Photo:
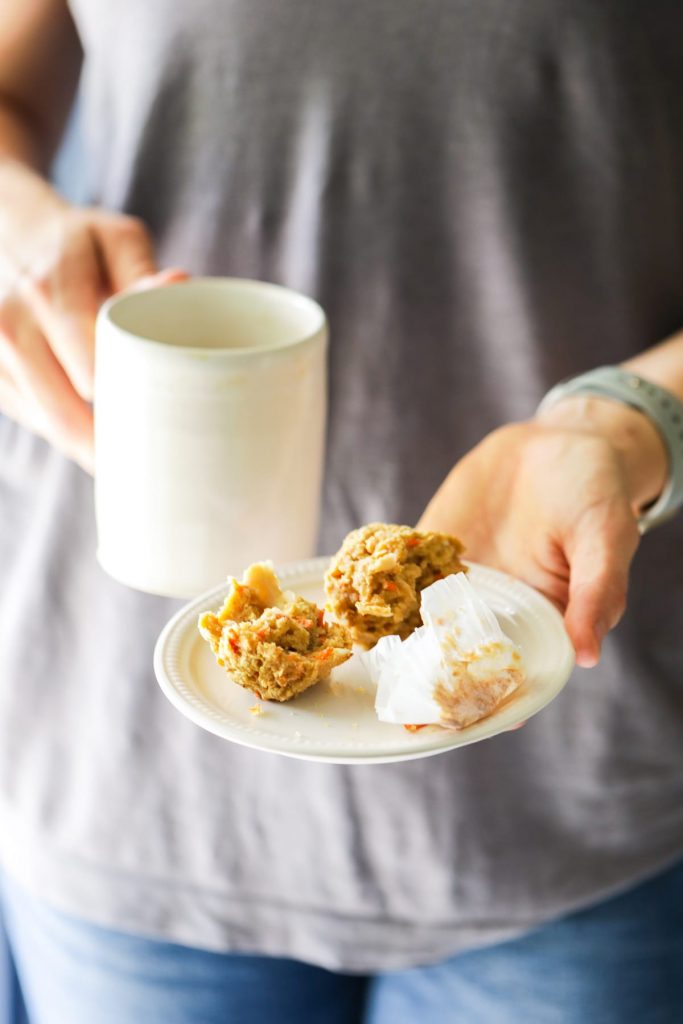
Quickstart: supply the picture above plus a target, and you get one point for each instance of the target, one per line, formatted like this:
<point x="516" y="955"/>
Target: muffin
<point x="273" y="642"/>
<point x="374" y="581"/>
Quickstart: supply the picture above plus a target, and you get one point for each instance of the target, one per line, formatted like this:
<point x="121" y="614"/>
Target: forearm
<point x="40" y="62"/>
<point x="662" y="364"/>
<point x="20" y="142"/>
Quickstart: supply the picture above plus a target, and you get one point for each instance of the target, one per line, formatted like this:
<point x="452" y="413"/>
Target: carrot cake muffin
<point x="374" y="581"/>
<point x="273" y="642"/>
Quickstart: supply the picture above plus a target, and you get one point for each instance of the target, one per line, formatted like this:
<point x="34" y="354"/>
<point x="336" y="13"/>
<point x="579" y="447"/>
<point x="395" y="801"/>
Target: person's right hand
<point x="58" y="263"/>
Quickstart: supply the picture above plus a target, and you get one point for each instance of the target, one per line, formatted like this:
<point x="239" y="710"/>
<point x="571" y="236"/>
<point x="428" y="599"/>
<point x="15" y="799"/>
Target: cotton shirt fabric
<point x="485" y="198"/>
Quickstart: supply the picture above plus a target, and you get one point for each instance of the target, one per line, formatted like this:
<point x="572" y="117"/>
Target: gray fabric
<point x="486" y="197"/>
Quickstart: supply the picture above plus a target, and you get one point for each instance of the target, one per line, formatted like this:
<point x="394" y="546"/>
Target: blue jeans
<point x="12" y="1010"/>
<point x="620" y="962"/>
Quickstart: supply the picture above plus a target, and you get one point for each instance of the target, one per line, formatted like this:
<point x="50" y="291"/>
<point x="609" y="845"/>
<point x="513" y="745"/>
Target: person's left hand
<point x="555" y="505"/>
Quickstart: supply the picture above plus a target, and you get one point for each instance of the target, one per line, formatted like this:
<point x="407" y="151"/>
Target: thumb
<point x="171" y="275"/>
<point x="126" y="250"/>
<point x="599" y="552"/>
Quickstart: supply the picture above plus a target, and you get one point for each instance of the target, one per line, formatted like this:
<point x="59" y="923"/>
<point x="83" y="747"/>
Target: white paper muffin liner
<point x="452" y="671"/>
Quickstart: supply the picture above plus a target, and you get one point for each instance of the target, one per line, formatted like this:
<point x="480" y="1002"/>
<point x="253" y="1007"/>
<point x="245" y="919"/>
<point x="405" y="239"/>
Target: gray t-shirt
<point x="485" y="197"/>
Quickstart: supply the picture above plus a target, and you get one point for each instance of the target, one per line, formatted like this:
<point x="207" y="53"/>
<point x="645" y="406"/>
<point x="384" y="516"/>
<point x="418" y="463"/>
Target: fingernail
<point x="584" y="660"/>
<point x="590" y="656"/>
<point x="171" y="275"/>
<point x="160" y="278"/>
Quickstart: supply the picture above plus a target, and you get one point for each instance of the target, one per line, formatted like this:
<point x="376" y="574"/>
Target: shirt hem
<point x="208" y="919"/>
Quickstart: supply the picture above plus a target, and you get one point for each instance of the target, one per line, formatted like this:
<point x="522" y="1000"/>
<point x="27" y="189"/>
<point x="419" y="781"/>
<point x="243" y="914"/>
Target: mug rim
<point x="104" y="316"/>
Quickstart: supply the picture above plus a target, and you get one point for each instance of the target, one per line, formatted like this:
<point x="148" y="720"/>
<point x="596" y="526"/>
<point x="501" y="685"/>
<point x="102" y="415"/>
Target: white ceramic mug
<point x="210" y="403"/>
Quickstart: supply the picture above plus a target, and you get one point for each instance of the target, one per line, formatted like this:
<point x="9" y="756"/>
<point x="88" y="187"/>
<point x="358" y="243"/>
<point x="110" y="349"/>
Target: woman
<point x="485" y="199"/>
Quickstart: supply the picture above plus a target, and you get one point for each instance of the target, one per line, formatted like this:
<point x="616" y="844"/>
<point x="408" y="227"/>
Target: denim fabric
<point x="12" y="1010"/>
<point x="620" y="962"/>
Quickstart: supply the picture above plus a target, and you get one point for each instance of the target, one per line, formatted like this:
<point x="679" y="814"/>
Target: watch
<point x="663" y="409"/>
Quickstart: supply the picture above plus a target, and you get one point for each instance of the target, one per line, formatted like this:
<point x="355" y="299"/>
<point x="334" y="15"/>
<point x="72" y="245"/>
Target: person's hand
<point x="554" y="502"/>
<point x="57" y="265"/>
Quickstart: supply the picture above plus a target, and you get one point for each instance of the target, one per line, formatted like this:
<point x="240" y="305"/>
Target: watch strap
<point x="662" y="407"/>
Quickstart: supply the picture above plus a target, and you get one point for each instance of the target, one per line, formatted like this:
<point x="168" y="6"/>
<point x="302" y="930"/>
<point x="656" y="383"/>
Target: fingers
<point x="600" y="552"/>
<point x="126" y="250"/>
<point x="173" y="275"/>
<point x="48" y="313"/>
<point x="127" y="255"/>
<point x="65" y="303"/>
<point x="36" y="390"/>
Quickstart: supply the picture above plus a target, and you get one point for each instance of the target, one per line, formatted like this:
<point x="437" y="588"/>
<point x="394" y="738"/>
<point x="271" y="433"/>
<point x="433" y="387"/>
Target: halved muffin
<point x="273" y="642"/>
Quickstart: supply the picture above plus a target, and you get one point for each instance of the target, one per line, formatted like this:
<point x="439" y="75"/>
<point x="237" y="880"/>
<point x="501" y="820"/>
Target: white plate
<point x="335" y="720"/>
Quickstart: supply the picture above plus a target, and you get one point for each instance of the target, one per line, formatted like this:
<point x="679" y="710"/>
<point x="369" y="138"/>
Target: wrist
<point x="31" y="213"/>
<point x="23" y="189"/>
<point x="635" y="439"/>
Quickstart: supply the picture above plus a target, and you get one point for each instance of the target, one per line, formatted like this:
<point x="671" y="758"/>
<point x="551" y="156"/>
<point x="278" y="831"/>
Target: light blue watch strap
<point x="658" y="404"/>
